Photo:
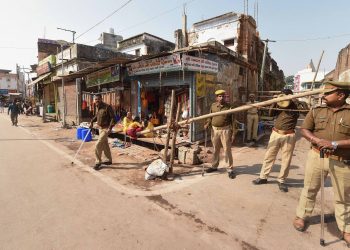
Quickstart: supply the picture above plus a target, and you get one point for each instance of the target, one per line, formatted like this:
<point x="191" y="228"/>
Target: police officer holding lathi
<point x="222" y="133"/>
<point x="327" y="127"/>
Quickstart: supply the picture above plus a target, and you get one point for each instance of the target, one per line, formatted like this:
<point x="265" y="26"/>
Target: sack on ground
<point x="156" y="169"/>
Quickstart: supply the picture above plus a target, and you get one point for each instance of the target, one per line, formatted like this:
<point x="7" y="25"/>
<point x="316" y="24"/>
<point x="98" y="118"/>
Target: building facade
<point x="11" y="82"/>
<point x="144" y="44"/>
<point x="303" y="78"/>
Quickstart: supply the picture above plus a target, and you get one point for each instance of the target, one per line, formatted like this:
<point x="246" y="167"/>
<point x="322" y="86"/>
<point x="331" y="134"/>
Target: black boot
<point x="283" y="187"/>
<point x="259" y="181"/>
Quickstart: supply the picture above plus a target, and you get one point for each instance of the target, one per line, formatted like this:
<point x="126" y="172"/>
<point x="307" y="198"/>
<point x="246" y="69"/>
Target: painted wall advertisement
<point x="107" y="75"/>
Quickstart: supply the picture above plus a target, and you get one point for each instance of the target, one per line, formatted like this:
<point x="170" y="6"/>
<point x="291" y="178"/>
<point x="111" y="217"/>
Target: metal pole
<point x="322" y="242"/>
<point x="63" y="94"/>
<point x="263" y="64"/>
<point x="24" y="83"/>
<point x="263" y="68"/>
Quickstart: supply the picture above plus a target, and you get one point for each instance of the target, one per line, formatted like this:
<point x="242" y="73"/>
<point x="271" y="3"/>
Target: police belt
<point x="222" y="128"/>
<point x="333" y="157"/>
<point x="283" y="132"/>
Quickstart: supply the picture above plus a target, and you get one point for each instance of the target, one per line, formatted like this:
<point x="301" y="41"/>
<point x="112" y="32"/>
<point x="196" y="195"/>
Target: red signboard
<point x="42" y="69"/>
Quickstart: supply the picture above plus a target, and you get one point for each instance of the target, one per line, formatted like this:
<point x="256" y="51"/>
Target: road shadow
<point x="330" y="226"/>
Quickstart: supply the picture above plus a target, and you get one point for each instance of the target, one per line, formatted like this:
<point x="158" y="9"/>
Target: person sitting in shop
<point x="155" y="119"/>
<point x="127" y="121"/>
<point x="134" y="127"/>
<point x="148" y="125"/>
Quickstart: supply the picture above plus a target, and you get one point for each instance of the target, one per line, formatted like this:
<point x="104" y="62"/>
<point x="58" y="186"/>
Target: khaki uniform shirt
<point x="104" y="116"/>
<point x="221" y="120"/>
<point x="329" y="125"/>
<point x="252" y="111"/>
<point x="286" y="120"/>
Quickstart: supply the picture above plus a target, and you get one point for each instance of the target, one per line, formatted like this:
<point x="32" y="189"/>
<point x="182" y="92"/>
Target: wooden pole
<point x="170" y="118"/>
<point x="241" y="108"/>
<point x="313" y="81"/>
<point x="173" y="139"/>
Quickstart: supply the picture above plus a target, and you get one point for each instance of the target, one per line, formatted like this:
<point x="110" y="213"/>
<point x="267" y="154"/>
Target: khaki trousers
<point x="252" y="126"/>
<point x="221" y="137"/>
<point x="340" y="176"/>
<point x="102" y="145"/>
<point x="277" y="141"/>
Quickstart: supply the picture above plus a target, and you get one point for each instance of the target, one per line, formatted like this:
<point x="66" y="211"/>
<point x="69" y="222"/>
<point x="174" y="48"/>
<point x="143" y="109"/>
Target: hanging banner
<point x="156" y="65"/>
<point x="107" y="75"/>
<point x="192" y="63"/>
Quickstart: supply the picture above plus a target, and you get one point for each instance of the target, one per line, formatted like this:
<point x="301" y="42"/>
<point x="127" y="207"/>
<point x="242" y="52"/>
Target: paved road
<point x="48" y="204"/>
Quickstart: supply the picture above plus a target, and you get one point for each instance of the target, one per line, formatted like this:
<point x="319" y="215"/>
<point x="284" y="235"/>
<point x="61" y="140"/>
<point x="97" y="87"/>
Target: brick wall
<point x="342" y="69"/>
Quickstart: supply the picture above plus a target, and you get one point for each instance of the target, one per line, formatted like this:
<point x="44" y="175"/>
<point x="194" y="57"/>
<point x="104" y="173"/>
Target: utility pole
<point x="261" y="85"/>
<point x="24" y="81"/>
<point x="63" y="92"/>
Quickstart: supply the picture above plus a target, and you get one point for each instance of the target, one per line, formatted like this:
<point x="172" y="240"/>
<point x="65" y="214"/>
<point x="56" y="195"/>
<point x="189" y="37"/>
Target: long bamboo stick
<point x="241" y="108"/>
<point x="173" y="139"/>
<point x="170" y="120"/>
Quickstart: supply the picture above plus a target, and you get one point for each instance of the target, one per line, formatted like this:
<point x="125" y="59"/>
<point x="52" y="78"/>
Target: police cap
<point x="220" y="92"/>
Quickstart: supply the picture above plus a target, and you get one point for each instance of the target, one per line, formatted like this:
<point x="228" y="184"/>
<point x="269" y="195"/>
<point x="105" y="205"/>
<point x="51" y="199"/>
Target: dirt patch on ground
<point x="128" y="163"/>
<point x="165" y="204"/>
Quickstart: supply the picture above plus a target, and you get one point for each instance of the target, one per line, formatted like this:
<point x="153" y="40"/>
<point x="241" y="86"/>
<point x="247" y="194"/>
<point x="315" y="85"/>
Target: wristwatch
<point x="334" y="145"/>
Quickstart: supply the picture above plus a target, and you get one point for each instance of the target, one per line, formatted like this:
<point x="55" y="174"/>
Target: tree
<point x="289" y="80"/>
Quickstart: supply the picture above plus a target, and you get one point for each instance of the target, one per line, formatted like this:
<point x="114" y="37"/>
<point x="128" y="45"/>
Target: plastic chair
<point x="241" y="129"/>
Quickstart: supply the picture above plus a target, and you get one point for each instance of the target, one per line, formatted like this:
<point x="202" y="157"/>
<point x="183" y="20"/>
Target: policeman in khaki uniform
<point x="327" y="127"/>
<point x="252" y="120"/>
<point x="282" y="138"/>
<point x="104" y="116"/>
<point x="222" y="133"/>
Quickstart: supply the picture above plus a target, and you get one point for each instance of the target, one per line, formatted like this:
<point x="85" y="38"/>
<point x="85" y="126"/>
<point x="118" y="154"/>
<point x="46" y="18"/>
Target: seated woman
<point x="155" y="119"/>
<point x="148" y="125"/>
<point x="134" y="127"/>
<point x="127" y="121"/>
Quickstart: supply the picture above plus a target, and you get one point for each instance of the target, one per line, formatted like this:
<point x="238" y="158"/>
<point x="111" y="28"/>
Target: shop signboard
<point x="4" y="91"/>
<point x="43" y="69"/>
<point x="192" y="63"/>
<point x="51" y="59"/>
<point x="107" y="75"/>
<point x="156" y="65"/>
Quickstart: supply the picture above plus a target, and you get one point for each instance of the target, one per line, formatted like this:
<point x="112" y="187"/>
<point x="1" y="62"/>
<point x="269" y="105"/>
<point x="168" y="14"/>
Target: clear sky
<point x="22" y="22"/>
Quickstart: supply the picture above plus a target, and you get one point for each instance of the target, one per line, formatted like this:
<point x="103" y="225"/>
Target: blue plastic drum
<point x="86" y="133"/>
<point x="79" y="132"/>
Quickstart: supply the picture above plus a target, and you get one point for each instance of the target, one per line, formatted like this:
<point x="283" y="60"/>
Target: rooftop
<point x="6" y="71"/>
<point x="142" y="34"/>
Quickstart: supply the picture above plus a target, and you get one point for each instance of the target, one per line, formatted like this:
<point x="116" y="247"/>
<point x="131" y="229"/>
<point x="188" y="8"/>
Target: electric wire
<point x="104" y="19"/>
<point x="314" y="39"/>
<point x="154" y="17"/>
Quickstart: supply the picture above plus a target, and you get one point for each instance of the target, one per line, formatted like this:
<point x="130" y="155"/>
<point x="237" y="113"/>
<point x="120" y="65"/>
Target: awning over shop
<point x="40" y="78"/>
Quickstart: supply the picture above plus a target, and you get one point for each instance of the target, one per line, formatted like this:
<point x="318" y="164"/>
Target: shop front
<point x="192" y="78"/>
<point x="109" y="82"/>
